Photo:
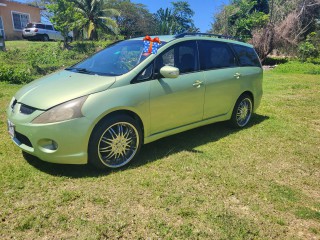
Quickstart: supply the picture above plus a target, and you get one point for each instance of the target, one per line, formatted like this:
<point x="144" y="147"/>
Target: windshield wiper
<point x="80" y="70"/>
<point x="86" y="71"/>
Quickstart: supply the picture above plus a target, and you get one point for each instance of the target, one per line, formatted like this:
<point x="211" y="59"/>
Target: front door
<point x="176" y="102"/>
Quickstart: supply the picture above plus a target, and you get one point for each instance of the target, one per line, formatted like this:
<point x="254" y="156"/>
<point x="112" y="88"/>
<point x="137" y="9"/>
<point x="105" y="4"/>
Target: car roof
<point x="198" y="36"/>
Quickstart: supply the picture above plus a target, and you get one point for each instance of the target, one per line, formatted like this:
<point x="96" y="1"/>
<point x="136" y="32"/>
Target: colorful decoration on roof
<point x="151" y="45"/>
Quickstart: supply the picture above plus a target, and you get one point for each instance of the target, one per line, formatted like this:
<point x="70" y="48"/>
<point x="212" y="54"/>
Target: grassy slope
<point x="212" y="182"/>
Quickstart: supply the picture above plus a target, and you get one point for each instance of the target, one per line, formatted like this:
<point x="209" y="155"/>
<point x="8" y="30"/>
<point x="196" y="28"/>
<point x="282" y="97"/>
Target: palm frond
<point x="109" y="24"/>
<point x="111" y="12"/>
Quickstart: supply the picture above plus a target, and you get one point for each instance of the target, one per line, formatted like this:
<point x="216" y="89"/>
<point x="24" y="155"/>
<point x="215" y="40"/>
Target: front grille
<point x="25" y="109"/>
<point x="23" y="139"/>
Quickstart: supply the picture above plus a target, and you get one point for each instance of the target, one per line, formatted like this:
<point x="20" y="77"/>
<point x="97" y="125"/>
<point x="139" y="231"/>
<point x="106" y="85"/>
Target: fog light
<point x="48" y="145"/>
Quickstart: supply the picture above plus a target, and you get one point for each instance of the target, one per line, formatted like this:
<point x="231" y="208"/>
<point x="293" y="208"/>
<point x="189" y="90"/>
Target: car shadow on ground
<point x="186" y="141"/>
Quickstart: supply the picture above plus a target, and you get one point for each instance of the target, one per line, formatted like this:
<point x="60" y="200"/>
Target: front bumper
<point x="62" y="142"/>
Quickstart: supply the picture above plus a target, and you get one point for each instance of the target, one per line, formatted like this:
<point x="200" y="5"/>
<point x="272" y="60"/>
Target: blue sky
<point x="204" y="9"/>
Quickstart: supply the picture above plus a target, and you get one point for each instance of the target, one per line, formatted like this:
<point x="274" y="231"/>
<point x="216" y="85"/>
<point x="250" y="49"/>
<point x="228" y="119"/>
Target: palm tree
<point x="165" y="20"/>
<point x="97" y="15"/>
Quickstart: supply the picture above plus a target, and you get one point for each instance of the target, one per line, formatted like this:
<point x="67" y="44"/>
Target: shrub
<point x="298" y="67"/>
<point x="310" y="48"/>
<point x="275" y="60"/>
<point x="15" y="74"/>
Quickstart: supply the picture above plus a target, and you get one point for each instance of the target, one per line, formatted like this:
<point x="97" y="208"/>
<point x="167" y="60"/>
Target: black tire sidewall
<point x="99" y="129"/>
<point x="45" y="38"/>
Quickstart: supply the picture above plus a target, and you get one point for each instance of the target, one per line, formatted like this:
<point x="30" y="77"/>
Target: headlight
<point x="65" y="111"/>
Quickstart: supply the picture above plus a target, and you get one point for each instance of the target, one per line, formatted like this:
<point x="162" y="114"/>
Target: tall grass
<point x="22" y="64"/>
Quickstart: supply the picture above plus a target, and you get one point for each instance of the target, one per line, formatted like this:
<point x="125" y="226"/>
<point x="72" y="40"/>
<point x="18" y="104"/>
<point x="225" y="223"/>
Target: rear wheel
<point x="114" y="142"/>
<point x="45" y="38"/>
<point x="242" y="111"/>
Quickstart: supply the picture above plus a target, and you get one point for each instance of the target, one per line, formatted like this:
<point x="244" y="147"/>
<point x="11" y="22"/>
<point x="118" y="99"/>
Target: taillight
<point x="36" y="30"/>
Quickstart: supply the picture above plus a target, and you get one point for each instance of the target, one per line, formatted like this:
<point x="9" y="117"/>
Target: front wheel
<point x="242" y="111"/>
<point x="114" y="142"/>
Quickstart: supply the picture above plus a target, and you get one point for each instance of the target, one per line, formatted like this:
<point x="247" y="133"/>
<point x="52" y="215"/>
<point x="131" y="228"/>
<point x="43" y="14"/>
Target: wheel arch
<point x="127" y="112"/>
<point x="250" y="94"/>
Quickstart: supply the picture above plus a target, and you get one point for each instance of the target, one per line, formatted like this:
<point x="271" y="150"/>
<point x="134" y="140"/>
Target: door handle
<point x="197" y="83"/>
<point x="237" y="75"/>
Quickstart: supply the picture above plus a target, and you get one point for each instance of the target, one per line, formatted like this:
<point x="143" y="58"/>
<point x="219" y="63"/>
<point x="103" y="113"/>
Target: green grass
<point x="213" y="182"/>
<point x="25" y="61"/>
<point x="23" y="44"/>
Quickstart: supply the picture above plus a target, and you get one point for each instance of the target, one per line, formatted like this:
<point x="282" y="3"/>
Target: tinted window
<point x="247" y="56"/>
<point x="49" y="27"/>
<point x="146" y="73"/>
<point x="214" y="55"/>
<point x="182" y="55"/>
<point x="30" y="25"/>
<point x="40" y="26"/>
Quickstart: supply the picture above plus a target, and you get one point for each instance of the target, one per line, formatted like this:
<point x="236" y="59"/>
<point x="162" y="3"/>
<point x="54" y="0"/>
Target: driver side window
<point x="165" y="59"/>
<point x="182" y="55"/>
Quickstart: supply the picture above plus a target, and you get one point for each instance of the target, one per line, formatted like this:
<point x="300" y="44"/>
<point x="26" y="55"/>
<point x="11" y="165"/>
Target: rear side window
<point x="49" y="27"/>
<point x="215" y="55"/>
<point x="40" y="26"/>
<point x="247" y="56"/>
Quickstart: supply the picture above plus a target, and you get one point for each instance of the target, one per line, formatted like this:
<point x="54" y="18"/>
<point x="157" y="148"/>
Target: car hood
<point x="60" y="87"/>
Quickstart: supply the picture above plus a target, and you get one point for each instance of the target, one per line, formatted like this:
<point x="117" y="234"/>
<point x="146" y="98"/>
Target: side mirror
<point x="170" y="72"/>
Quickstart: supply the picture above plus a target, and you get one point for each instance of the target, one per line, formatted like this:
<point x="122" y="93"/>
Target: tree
<point x="134" y="19"/>
<point x="283" y="24"/>
<point x="182" y="17"/>
<point x="97" y="15"/>
<point x="240" y="18"/>
<point x="64" y="17"/>
<point x="177" y="19"/>
<point x="165" y="21"/>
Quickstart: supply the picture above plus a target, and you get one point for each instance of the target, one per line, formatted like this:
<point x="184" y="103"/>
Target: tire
<point x="242" y="111"/>
<point x="45" y="38"/>
<point x="114" y="142"/>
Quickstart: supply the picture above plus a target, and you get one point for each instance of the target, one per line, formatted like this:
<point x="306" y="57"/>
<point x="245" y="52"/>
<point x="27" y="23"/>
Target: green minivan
<point x="101" y="110"/>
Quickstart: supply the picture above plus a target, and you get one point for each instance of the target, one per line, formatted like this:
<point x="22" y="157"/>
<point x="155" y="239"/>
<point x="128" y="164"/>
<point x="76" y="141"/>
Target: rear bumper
<point x="31" y="36"/>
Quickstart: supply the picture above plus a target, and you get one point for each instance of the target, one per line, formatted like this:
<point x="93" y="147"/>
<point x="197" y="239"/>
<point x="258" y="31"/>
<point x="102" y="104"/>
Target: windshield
<point x="115" y="60"/>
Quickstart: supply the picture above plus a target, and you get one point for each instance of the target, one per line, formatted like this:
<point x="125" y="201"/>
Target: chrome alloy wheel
<point x="118" y="144"/>
<point x="244" y="111"/>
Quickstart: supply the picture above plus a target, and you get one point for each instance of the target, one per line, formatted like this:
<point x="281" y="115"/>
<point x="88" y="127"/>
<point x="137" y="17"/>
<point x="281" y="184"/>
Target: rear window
<point x="247" y="56"/>
<point x="30" y="25"/>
